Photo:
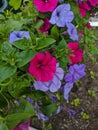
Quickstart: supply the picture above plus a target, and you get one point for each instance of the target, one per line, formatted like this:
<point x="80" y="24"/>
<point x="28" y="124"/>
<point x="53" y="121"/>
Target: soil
<point x="88" y="104"/>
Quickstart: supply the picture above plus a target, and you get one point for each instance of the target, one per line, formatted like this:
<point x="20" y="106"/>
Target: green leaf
<point x="17" y="87"/>
<point x="26" y="111"/>
<point x="6" y="71"/>
<point x="3" y="126"/>
<point x="55" y="32"/>
<point x="39" y="24"/>
<point x="37" y="95"/>
<point x="15" y="4"/>
<point x="62" y="44"/>
<point x="7" y="48"/>
<point x="22" y="44"/>
<point x="24" y="57"/>
<point x="49" y="109"/>
<point x="44" y="42"/>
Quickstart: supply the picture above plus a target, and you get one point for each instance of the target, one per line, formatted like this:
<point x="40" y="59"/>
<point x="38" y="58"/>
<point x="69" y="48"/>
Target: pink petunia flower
<point x="16" y="128"/>
<point x="45" y="5"/>
<point x="87" y="26"/>
<point x="45" y="26"/>
<point x="23" y="126"/>
<point x="76" y="54"/>
<point x="43" y="66"/>
<point x="83" y="8"/>
<point x="93" y="2"/>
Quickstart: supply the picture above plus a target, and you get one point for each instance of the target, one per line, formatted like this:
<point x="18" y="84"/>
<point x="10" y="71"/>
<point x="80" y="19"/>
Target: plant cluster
<point x="43" y="45"/>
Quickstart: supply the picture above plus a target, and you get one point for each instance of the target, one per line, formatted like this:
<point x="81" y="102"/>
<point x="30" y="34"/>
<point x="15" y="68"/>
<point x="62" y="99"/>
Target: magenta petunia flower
<point x="76" y="53"/>
<point x="45" y="5"/>
<point x="45" y="26"/>
<point x="93" y="2"/>
<point x="83" y="8"/>
<point x="16" y="128"/>
<point x="43" y="66"/>
<point x="23" y="126"/>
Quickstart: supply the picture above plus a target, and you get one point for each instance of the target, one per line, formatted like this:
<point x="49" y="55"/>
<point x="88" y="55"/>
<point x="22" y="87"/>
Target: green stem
<point x="5" y="99"/>
<point x="6" y="84"/>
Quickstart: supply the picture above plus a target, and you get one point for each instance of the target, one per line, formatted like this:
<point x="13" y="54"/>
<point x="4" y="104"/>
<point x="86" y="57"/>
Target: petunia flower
<point x="72" y="112"/>
<point x="93" y="2"/>
<point x="18" y="35"/>
<point x="72" y="32"/>
<point x="45" y="26"/>
<point x="16" y="128"/>
<point x="30" y="100"/>
<point x="62" y="15"/>
<point x="61" y="1"/>
<point x="75" y="73"/>
<point x="52" y="85"/>
<point x="43" y="67"/>
<point x="45" y="5"/>
<point x="23" y="126"/>
<point x="83" y="8"/>
<point x="66" y="89"/>
<point x="42" y="116"/>
<point x="79" y="1"/>
<point x="76" y="54"/>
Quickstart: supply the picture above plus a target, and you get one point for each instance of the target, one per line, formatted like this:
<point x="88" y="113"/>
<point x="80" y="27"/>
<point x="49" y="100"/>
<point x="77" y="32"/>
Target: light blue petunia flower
<point x="52" y="85"/>
<point x="62" y="15"/>
<point x="18" y="35"/>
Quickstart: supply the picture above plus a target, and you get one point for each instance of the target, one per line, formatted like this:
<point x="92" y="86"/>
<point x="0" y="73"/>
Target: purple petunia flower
<point x="72" y="32"/>
<point x="72" y="112"/>
<point x="42" y="116"/>
<point x="61" y="1"/>
<point x="59" y="109"/>
<point x="75" y="73"/>
<point x="52" y="85"/>
<point x="67" y="88"/>
<point x="79" y="1"/>
<point x="18" y="35"/>
<point x="30" y="100"/>
<point x="62" y="15"/>
<point x="52" y="96"/>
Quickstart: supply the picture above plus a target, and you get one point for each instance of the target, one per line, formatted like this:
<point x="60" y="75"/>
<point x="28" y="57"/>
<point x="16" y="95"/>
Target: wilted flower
<point x="52" y="85"/>
<point x="43" y="66"/>
<point x="75" y="73"/>
<point x="45" y="5"/>
<point x="62" y="15"/>
<point x="18" y="35"/>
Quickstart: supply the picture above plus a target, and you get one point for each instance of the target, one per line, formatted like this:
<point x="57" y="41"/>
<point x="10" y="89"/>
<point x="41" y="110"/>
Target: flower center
<point x="45" y="1"/>
<point x="39" y="65"/>
<point x="18" y="35"/>
<point x="58" y="14"/>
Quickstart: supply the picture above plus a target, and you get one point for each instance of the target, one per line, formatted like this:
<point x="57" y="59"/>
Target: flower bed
<point x="43" y="45"/>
